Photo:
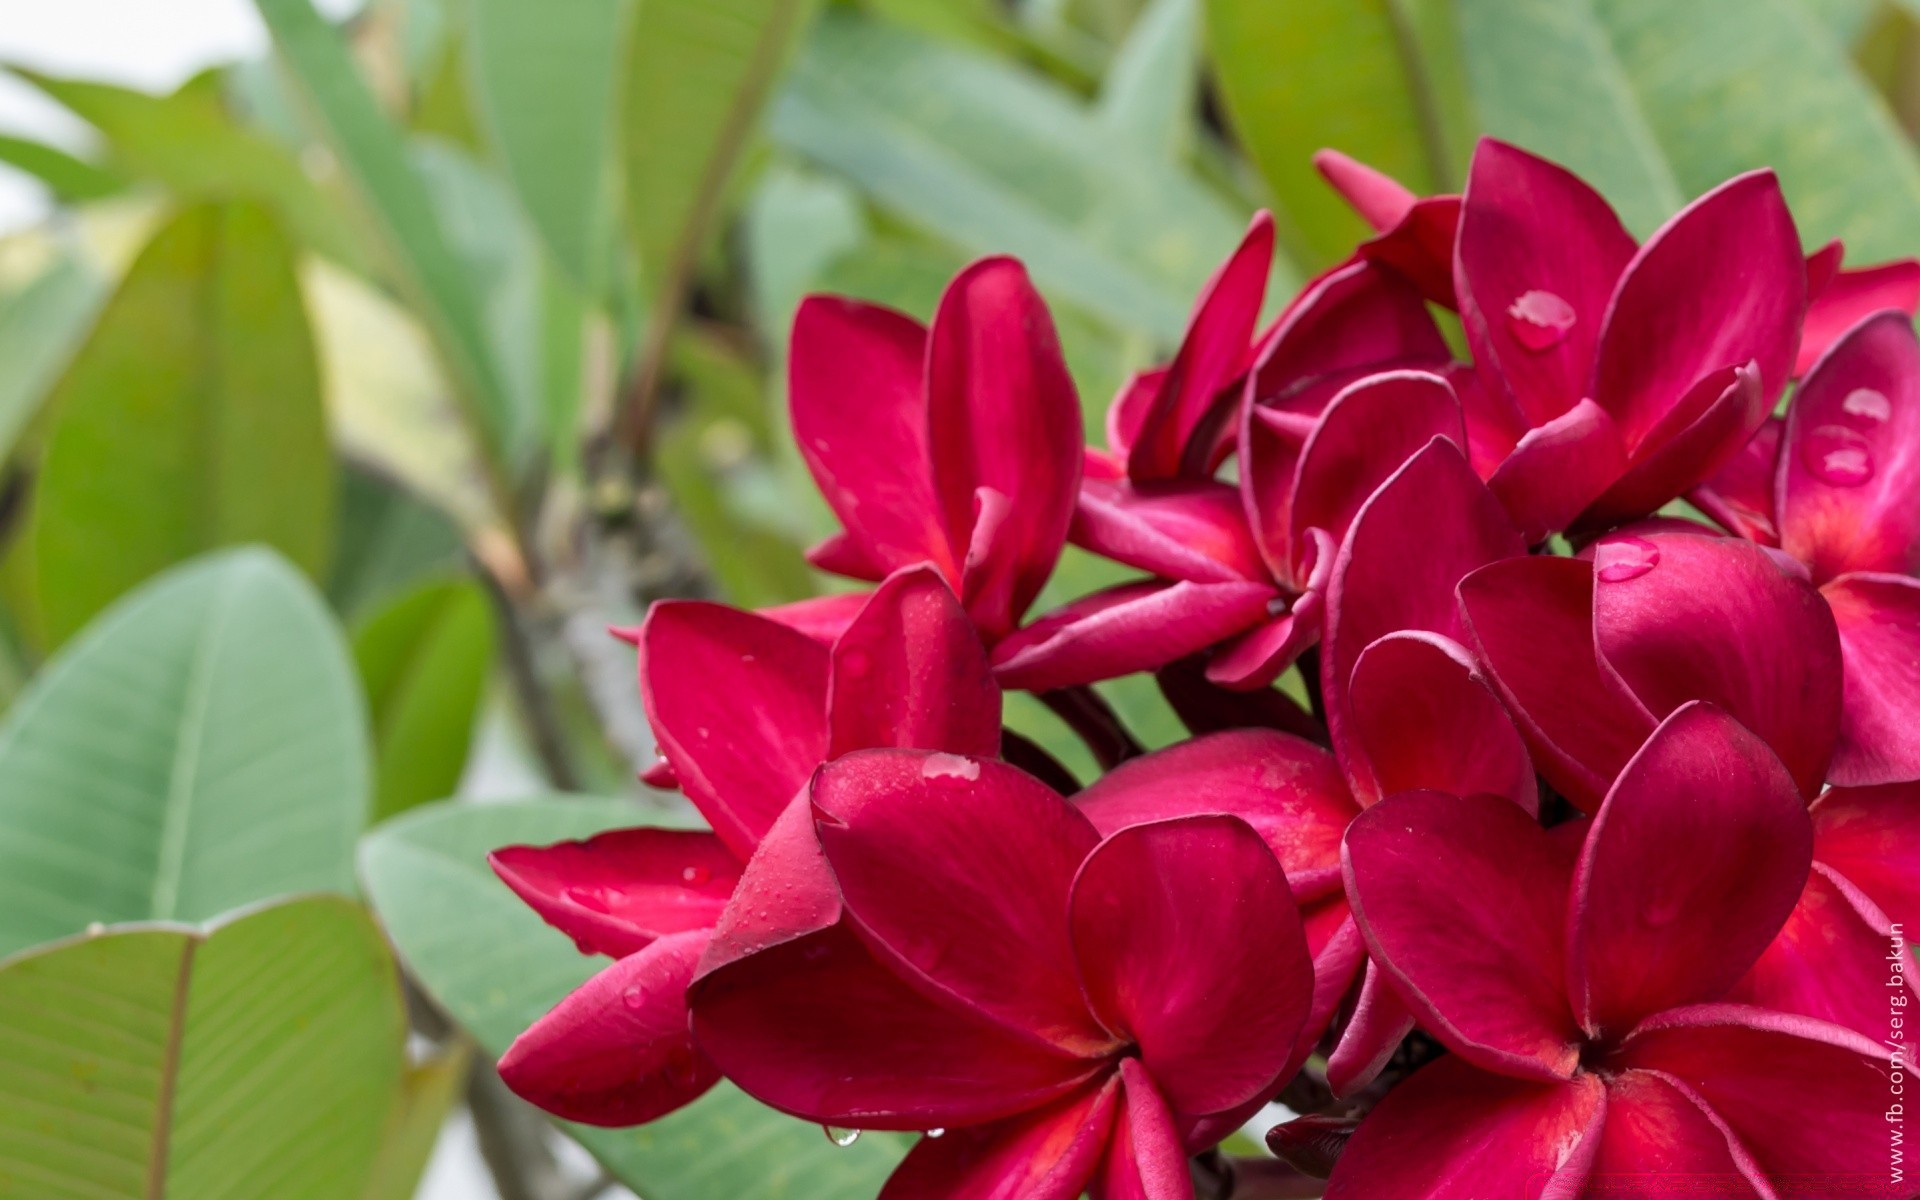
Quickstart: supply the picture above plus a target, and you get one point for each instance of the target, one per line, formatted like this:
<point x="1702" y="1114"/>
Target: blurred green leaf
<point x="1848" y="19"/>
<point x="424" y="661"/>
<point x="201" y="746"/>
<point x="71" y="180"/>
<point x="256" y="1059"/>
<point x="494" y="967"/>
<point x="190" y="419"/>
<point x="544" y="78"/>
<point x="188" y="143"/>
<point x="41" y="326"/>
<point x="698" y="74"/>
<point x="1150" y="91"/>
<point x="997" y="160"/>
<point x="1352" y="76"/>
<point x="428" y="1092"/>
<point x="1655" y="101"/>
<point x="387" y="542"/>
<point x="796" y="224"/>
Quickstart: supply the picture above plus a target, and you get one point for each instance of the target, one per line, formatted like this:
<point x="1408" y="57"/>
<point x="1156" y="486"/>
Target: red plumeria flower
<point x="1837" y="300"/>
<point x="956" y="446"/>
<point x="744" y="710"/>
<point x="1837" y="487"/>
<point x="1579" y="988"/>
<point x="944" y="943"/>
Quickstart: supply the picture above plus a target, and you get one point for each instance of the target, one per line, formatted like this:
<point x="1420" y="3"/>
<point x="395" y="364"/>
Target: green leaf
<point x="427" y="1093"/>
<point x="424" y="661"/>
<point x="1635" y="94"/>
<point x="698" y="74"/>
<point x="41" y="326"/>
<point x="191" y="419"/>
<point x="544" y="78"/>
<point x="1150" y="90"/>
<point x="491" y="964"/>
<point x="188" y="143"/>
<point x="387" y="542"/>
<point x="200" y="747"/>
<point x="71" y="180"/>
<point x="1352" y="76"/>
<point x="997" y="160"/>
<point x="256" y="1059"/>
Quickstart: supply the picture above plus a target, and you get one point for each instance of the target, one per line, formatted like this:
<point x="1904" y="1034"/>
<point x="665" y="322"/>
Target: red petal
<point x="1003" y="419"/>
<point x="1380" y="1022"/>
<point x="1557" y="469"/>
<point x="1185" y="529"/>
<point x="1425" y="718"/>
<point x="617" y="1050"/>
<point x="1656" y="1128"/>
<point x="1454" y="1131"/>
<point x="822" y="618"/>
<point x="1420" y="248"/>
<point x="1878" y="617"/>
<point x="1048" y="1154"/>
<point x="1129" y="410"/>
<point x="1256" y="658"/>
<point x="1145" y="1159"/>
<point x="959" y="870"/>
<point x="854" y="377"/>
<point x="1693" y="440"/>
<point x="1213" y="353"/>
<point x="1381" y="200"/>
<point x="844" y="554"/>
<point x="911" y="672"/>
<point x="1355" y="316"/>
<point x="617" y="891"/>
<point x="1849" y="500"/>
<point x="1740" y="497"/>
<point x="1691" y="867"/>
<point x="1829" y="960"/>
<point x="1133" y="627"/>
<point x="1849" y="296"/>
<point x="1682" y="617"/>
<point x="738" y="703"/>
<point x="1721" y="284"/>
<point x="1476" y="949"/>
<point x="1540" y="253"/>
<point x="1190" y="948"/>
<point x="1871" y="836"/>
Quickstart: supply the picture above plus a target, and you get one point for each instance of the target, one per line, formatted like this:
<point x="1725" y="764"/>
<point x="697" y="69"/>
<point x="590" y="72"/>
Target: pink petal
<point x="1205" y="708"/>
<point x="958" y="870"/>
<point x="1420" y="248"/>
<point x="1452" y="1130"/>
<point x="1740" y="496"/>
<point x="1682" y="617"/>
<point x="1540" y="253"/>
<point x="821" y="618"/>
<point x="1003" y="418"/>
<point x="1475" y="947"/>
<point x="1849" y="296"/>
<point x="617" y="891"/>
<point x="1848" y="498"/>
<point x="1270" y="442"/>
<point x="1692" y="865"/>
<point x="1132" y="627"/>
<point x="910" y="671"/>
<point x="1381" y="1021"/>
<point x="1829" y="960"/>
<point x="1871" y="836"/>
<point x="1129" y="411"/>
<point x="1693" y="440"/>
<point x="1425" y="717"/>
<point x="1339" y="955"/>
<point x="1256" y="658"/>
<point x="617" y="1050"/>
<point x="1186" y="529"/>
<point x="1494" y="423"/>
<point x="1428" y="526"/>
<point x="1557" y="469"/>
<point x="844" y="554"/>
<point x="1805" y="1099"/>
<point x="1289" y="790"/>
<point x="1531" y="620"/>
<point x="738" y="703"/>
<point x="1190" y="948"/>
<point x="1878" y="617"/>
<point x="1049" y="1153"/>
<point x="1145" y="1159"/>
<point x="1355" y="316"/>
<point x="1367" y="433"/>
<point x="1721" y="284"/>
<point x="1381" y="200"/>
<point x="1219" y="335"/>
<point x="1655" y="1128"/>
<point x="854" y="378"/>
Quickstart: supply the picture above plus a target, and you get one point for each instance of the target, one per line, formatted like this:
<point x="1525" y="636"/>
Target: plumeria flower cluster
<point x="1584" y="869"/>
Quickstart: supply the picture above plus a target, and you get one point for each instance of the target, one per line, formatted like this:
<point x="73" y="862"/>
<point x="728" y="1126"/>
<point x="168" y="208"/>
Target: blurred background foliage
<point x="351" y="393"/>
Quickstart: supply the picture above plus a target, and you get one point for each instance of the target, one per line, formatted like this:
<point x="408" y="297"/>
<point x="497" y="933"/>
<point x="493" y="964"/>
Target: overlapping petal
<point x="1132" y="627"/>
<point x="1878" y="620"/>
<point x="615" y="892"/>
<point x="910" y="671"/>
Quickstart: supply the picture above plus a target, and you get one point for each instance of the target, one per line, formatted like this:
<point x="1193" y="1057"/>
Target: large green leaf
<point x="998" y="160"/>
<point x="544" y="77"/>
<point x="1356" y="76"/>
<point x="41" y="326"/>
<point x="388" y="541"/>
<point x="495" y="968"/>
<point x="427" y="1093"/>
<point x="200" y="747"/>
<point x="1655" y="101"/>
<point x="260" y="1058"/>
<point x="1150" y="91"/>
<point x="72" y="180"/>
<point x="191" y="419"/>
<point x="424" y="659"/>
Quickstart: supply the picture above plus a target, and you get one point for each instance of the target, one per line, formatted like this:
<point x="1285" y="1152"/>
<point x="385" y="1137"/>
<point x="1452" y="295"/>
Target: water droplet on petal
<point x="1869" y="406"/>
<point x="1837" y="456"/>
<point x="1661" y="912"/>
<point x="840" y="1137"/>
<point x="696" y="875"/>
<point x="1540" y="320"/>
<point x="703" y="731"/>
<point x="635" y="998"/>
<point x="936" y="1133"/>
<point x="949" y="766"/>
<point x="1625" y="558"/>
<point x="747" y="659"/>
<point x="591" y="898"/>
<point x="854" y="663"/>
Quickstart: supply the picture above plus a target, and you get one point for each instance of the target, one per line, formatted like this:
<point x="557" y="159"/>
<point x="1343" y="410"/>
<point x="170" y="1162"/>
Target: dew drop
<point x="1540" y="320"/>
<point x="936" y="1133"/>
<point x="1661" y="912"/>
<point x="95" y="928"/>
<point x="1837" y="456"/>
<point x="746" y="659"/>
<point x="591" y="898"/>
<point x="1625" y="558"/>
<point x="854" y="663"/>
<point x="635" y="998"/>
<point x="1869" y="406"/>
<point x="703" y="731"/>
<point x="696" y="875"/>
<point x="840" y="1137"/>
<point x="949" y="766"/>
